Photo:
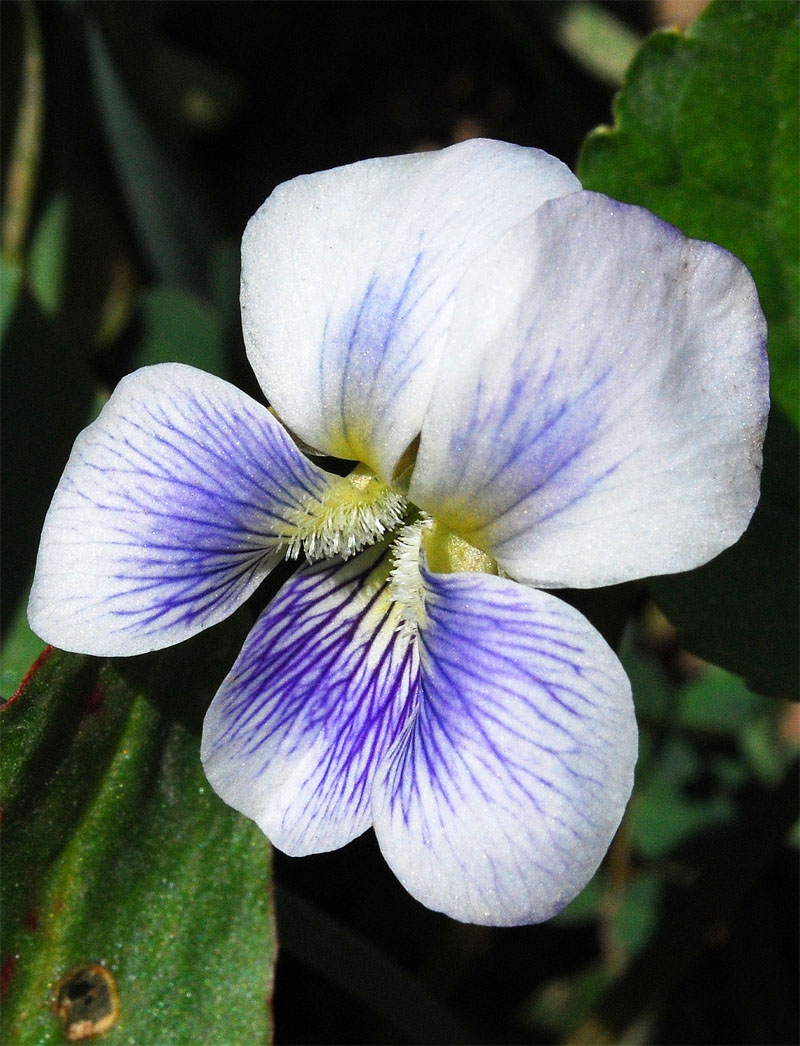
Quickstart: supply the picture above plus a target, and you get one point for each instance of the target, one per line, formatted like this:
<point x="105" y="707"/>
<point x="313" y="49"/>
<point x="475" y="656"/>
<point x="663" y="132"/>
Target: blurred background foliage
<point x="138" y="139"/>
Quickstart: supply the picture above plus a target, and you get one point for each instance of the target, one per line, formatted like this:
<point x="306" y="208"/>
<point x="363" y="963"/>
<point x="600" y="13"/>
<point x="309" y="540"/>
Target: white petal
<point x="501" y="798"/>
<point x="171" y="509"/>
<point x="347" y="283"/>
<point x="606" y="417"/>
<point x="323" y="685"/>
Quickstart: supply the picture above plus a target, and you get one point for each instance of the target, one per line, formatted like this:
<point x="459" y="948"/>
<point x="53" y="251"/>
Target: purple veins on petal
<point x="501" y="797"/>
<point x="321" y="690"/>
<point x="174" y="505"/>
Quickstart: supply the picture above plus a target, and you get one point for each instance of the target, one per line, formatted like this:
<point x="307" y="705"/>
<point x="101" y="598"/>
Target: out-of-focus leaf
<point x="766" y="752"/>
<point x="10" y="281"/>
<point x="19" y="650"/>
<point x="718" y="701"/>
<point x="179" y="327"/>
<point x="563" y="1002"/>
<point x="193" y="91"/>
<point x="637" y="916"/>
<point x="118" y="853"/>
<point x="596" y="39"/>
<point x="706" y="136"/>
<point x="48" y="255"/>
<point x="683" y="933"/>
<point x="225" y="272"/>
<point x="47" y="396"/>
<point x="362" y="970"/>
<point x="166" y="214"/>
<point x="664" y="814"/>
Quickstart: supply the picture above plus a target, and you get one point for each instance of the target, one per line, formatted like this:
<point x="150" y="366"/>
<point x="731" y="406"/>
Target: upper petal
<point x="607" y="414"/>
<point x="347" y="284"/>
<point x="501" y="798"/>
<point x="323" y="685"/>
<point x="173" y="506"/>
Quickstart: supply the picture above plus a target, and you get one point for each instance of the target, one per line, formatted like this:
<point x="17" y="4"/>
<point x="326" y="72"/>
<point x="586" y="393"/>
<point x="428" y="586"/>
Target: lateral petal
<point x="172" y="508"/>
<point x="606" y="418"/>
<point x="347" y="284"/>
<point x="502" y="796"/>
<point x="323" y="685"/>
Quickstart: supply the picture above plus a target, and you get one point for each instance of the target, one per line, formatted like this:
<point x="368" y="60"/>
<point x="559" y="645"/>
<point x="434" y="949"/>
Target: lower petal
<point x="324" y="684"/>
<point x="504" y="793"/>
<point x="173" y="506"/>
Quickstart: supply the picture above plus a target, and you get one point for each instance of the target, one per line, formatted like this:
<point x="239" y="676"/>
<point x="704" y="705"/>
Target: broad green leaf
<point x="179" y="327"/>
<point x="706" y="136"/>
<point x="766" y="751"/>
<point x="118" y="853"/>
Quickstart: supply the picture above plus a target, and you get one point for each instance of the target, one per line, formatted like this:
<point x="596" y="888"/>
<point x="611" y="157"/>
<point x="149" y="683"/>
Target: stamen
<point x="354" y="512"/>
<point x="405" y="578"/>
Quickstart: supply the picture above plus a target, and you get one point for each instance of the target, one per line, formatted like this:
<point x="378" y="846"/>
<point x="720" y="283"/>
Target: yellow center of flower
<point x="448" y="553"/>
<point x="355" y="511"/>
<point x="359" y="510"/>
<point x="445" y="553"/>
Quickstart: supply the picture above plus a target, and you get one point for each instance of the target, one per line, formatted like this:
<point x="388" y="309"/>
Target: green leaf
<point x="706" y="136"/>
<point x="118" y="853"/>
<point x="585" y="906"/>
<point x="179" y="327"/>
